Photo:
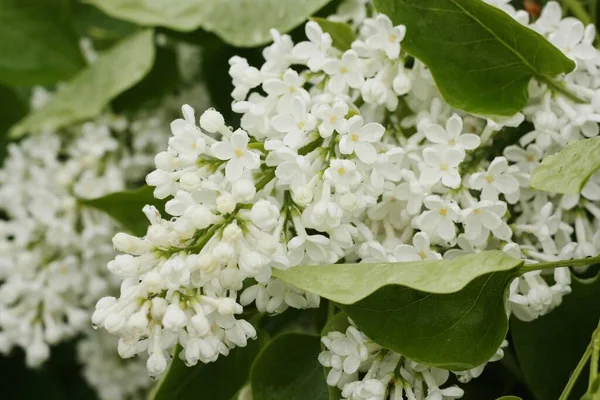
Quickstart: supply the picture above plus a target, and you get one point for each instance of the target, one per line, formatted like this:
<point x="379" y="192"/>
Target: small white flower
<point x="295" y="124"/>
<point x="570" y="40"/>
<point x="387" y="167"/>
<point x="440" y="218"/>
<point x="244" y="77"/>
<point x="286" y="89"/>
<point x="526" y="159"/>
<point x="496" y="180"/>
<point x="420" y="250"/>
<point x="235" y="151"/>
<point x="342" y="174"/>
<point x="345" y="72"/>
<point x="387" y="37"/>
<point x="359" y="139"/>
<point x="313" y="246"/>
<point x="442" y="165"/>
<point x="314" y="52"/>
<point x="483" y="217"/>
<point x="333" y="118"/>
<point x="452" y="136"/>
<point x="292" y="169"/>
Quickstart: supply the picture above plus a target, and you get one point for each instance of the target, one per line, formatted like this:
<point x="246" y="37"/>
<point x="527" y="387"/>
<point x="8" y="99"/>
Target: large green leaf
<point x="288" y="369"/>
<point x="239" y="22"/>
<point x="568" y="171"/>
<point x="92" y="89"/>
<point x="220" y="380"/>
<point x="126" y="207"/>
<point x="38" y="47"/>
<point x="481" y="58"/>
<point x="549" y="348"/>
<point x="446" y="313"/>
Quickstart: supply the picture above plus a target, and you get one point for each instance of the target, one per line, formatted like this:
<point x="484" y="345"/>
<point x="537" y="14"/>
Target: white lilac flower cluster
<point x="54" y="250"/>
<point x="347" y="156"/>
<point x="110" y="376"/>
<point x="363" y="370"/>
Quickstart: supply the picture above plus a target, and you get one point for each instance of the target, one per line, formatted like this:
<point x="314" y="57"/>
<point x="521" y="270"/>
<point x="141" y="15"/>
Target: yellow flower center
<point x="530" y="157"/>
<point x="489" y="179"/>
<point x="341" y="171"/>
<point x="477" y="211"/>
<point x="443" y="211"/>
<point x="239" y="152"/>
<point x="392" y="38"/>
<point x="354" y="137"/>
<point x="301" y="124"/>
<point x="423" y="255"/>
<point x="444" y="167"/>
<point x="452" y="142"/>
<point x="344" y="70"/>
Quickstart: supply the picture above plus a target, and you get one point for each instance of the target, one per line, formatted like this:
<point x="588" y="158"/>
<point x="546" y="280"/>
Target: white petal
<point x="446" y="229"/>
<point x="222" y="150"/>
<point x="365" y="152"/>
<point x="234" y="169"/>
<point x="437" y="134"/>
<point x="283" y="123"/>
<point x="454" y="125"/>
<point x="468" y="141"/>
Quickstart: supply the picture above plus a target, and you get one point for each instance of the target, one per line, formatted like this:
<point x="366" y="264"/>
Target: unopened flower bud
<point x="211" y="120"/>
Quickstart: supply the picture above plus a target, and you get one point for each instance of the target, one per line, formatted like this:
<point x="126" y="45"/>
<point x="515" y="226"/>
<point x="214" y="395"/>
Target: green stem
<point x="582" y="262"/>
<point x="595" y="356"/>
<point x="573" y="379"/>
<point x="578" y="10"/>
<point x="557" y="87"/>
<point x="265" y="179"/>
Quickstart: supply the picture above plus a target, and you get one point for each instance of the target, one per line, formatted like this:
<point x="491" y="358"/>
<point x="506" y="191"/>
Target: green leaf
<point x="340" y="32"/>
<point x="220" y="380"/>
<point x="288" y="369"/>
<point x="243" y="23"/>
<point x="481" y="58"/>
<point x="103" y="30"/>
<point x="549" y="348"/>
<point x="92" y="89"/>
<point x="13" y="108"/>
<point x="446" y="313"/>
<point x="126" y="207"/>
<point x="38" y="47"/>
<point x="162" y="80"/>
<point x="567" y="171"/>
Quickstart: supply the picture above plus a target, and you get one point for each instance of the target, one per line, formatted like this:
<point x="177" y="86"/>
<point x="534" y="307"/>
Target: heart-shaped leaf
<point x="446" y="313"/>
<point x="288" y="368"/>
<point x="568" y="170"/>
<point x="116" y="70"/>
<point x="243" y="23"/>
<point x="481" y="58"/>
